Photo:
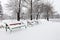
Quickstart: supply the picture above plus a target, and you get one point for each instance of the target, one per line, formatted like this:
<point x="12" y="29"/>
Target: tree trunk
<point x="31" y="10"/>
<point x="18" y="14"/>
<point x="47" y="16"/>
<point x="37" y="16"/>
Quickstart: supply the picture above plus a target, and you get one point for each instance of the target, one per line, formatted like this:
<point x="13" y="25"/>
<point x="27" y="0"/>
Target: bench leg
<point x="6" y="30"/>
<point x="10" y="29"/>
<point x="25" y="27"/>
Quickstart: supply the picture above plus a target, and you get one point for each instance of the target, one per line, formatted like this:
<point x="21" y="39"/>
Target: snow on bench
<point x="32" y="22"/>
<point x="14" y="25"/>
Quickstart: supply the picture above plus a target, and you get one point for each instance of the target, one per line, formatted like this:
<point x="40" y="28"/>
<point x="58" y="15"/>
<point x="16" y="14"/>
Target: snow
<point x="43" y="31"/>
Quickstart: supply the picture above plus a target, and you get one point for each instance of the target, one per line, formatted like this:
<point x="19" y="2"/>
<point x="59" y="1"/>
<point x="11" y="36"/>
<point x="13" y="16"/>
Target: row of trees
<point x="33" y="6"/>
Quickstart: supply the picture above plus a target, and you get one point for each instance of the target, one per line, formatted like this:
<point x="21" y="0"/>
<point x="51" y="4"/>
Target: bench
<point x="12" y="26"/>
<point x="32" y="22"/>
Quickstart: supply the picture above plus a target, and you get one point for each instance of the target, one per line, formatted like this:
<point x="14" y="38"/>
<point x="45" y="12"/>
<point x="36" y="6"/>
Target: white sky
<point x="57" y="5"/>
<point x="54" y="2"/>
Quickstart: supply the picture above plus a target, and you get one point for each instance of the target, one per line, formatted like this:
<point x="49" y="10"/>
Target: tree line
<point x="34" y="8"/>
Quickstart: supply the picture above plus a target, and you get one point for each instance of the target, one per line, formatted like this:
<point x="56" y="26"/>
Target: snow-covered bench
<point x="32" y="22"/>
<point x="12" y="26"/>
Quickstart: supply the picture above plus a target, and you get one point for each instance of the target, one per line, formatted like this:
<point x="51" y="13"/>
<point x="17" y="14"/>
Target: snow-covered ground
<point x="43" y="31"/>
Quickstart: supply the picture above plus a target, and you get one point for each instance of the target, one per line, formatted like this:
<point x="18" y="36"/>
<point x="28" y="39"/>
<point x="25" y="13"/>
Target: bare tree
<point x="39" y="11"/>
<point x="14" y="5"/>
<point x="31" y="10"/>
<point x="29" y="7"/>
<point x="1" y="11"/>
<point x="36" y="8"/>
<point x="32" y="7"/>
<point x="18" y="13"/>
<point x="47" y="9"/>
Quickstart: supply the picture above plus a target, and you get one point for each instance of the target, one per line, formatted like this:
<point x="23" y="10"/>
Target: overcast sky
<point x="57" y="5"/>
<point x="54" y="2"/>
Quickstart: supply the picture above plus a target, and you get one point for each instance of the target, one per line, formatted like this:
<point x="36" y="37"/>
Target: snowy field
<point x="43" y="31"/>
<point x="55" y="20"/>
